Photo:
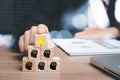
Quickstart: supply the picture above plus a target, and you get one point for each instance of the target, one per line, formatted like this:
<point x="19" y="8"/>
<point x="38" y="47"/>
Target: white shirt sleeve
<point x="99" y="14"/>
<point x="6" y="40"/>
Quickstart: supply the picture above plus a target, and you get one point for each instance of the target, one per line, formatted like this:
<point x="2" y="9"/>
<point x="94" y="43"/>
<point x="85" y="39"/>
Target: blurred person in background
<point x="86" y="19"/>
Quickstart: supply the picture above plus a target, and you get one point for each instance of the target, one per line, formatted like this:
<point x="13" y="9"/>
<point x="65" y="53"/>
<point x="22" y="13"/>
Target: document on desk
<point x="88" y="47"/>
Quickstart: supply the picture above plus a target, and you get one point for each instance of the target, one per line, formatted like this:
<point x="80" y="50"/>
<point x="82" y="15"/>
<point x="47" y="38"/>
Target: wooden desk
<point x="72" y="68"/>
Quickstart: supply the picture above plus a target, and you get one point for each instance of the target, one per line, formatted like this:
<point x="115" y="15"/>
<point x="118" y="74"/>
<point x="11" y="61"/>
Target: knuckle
<point x="77" y="34"/>
<point x="26" y="32"/>
<point x="21" y="37"/>
<point x="33" y="27"/>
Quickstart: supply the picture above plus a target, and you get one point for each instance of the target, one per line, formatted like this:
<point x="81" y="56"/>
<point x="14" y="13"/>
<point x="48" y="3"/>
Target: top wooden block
<point x="41" y="40"/>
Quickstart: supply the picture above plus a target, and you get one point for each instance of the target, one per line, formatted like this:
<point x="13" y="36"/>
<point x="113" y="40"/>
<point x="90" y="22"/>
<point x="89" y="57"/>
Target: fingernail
<point x="42" y="29"/>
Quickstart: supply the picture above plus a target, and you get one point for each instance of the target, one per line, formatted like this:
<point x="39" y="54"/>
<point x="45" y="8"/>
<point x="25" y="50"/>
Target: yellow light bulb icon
<point x="41" y="41"/>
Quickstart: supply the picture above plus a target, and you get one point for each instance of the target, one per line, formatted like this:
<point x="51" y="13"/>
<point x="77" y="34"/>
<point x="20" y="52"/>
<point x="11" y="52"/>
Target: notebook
<point x="108" y="63"/>
<point x="88" y="47"/>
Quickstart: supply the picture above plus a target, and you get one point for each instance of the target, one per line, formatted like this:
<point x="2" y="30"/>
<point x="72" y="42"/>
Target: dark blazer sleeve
<point x="45" y="12"/>
<point x="111" y="14"/>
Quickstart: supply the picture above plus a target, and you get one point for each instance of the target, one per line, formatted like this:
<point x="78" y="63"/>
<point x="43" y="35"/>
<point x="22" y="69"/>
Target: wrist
<point x="112" y="32"/>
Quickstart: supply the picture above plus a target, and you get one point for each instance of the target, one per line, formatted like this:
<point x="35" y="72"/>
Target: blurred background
<point x="11" y="13"/>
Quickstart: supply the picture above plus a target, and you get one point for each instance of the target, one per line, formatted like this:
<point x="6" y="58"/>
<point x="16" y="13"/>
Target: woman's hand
<point x="98" y="34"/>
<point x="28" y="37"/>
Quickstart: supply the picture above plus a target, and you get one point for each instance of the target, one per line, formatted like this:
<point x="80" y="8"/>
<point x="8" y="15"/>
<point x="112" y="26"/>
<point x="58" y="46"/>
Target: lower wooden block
<point x="54" y="64"/>
<point x="47" y="53"/>
<point x="33" y="52"/>
<point x="28" y="65"/>
<point x="41" y="65"/>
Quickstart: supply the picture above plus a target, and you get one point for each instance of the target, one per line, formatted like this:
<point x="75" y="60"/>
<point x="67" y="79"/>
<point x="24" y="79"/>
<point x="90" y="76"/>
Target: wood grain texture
<point x="72" y="68"/>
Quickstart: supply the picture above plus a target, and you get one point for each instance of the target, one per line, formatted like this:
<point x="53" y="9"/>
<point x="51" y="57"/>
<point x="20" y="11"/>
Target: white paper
<point x="88" y="47"/>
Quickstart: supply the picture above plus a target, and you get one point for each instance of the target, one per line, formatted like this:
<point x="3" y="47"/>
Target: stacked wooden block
<point x="41" y="56"/>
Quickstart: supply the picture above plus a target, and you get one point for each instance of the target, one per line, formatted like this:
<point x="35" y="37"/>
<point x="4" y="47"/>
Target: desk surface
<point x="72" y="68"/>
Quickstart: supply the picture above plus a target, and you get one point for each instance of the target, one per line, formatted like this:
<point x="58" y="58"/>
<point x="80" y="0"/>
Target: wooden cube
<point x="41" y="65"/>
<point x="41" y="40"/>
<point x="54" y="64"/>
<point x="47" y="53"/>
<point x="28" y="65"/>
<point x="33" y="53"/>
